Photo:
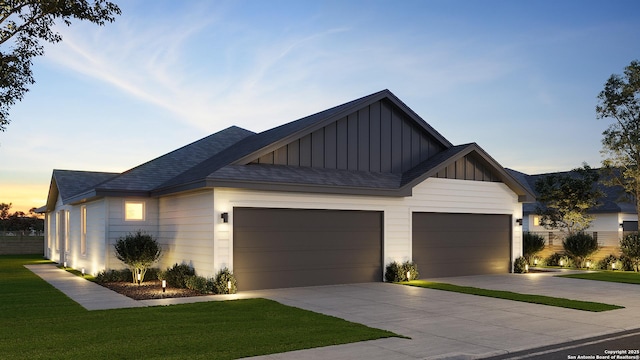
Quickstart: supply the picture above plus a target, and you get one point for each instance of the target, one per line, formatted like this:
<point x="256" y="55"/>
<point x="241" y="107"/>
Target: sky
<point x="520" y="78"/>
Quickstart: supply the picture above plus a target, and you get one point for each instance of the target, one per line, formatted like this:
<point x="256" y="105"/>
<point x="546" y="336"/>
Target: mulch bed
<point x="148" y="290"/>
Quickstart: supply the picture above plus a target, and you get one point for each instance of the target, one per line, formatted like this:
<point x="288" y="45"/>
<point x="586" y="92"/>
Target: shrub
<point x="520" y="265"/>
<point x="626" y="263"/>
<point x="200" y="284"/>
<point x="605" y="263"/>
<point x="177" y="275"/>
<point x="113" y="276"/>
<point x="138" y="251"/>
<point x="532" y="244"/>
<point x="579" y="246"/>
<point x="557" y="259"/>
<point x="630" y="247"/>
<point x="224" y="282"/>
<point x="396" y="272"/>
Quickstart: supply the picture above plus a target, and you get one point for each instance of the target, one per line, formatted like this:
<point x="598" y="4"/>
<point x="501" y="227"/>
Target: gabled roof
<point x="68" y="183"/>
<point x="232" y="158"/>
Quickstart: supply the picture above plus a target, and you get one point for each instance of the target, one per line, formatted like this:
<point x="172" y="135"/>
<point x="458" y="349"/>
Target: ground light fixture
<point x="64" y="265"/>
<point x="535" y="261"/>
<point x="561" y="262"/>
<point x="139" y="278"/>
<point x="229" y="285"/>
<point x="164" y="285"/>
<point x="83" y="272"/>
<point x="408" y="275"/>
<point x="526" y="267"/>
<point x="588" y="264"/>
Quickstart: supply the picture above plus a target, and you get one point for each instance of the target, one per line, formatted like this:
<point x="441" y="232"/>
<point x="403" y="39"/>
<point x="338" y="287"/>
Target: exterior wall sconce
<point x="225" y="217"/>
<point x="164" y="285"/>
<point x="519" y="222"/>
<point x="621" y="225"/>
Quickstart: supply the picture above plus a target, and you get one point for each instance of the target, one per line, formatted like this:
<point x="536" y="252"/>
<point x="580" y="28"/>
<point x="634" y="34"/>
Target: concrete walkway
<point x="441" y="325"/>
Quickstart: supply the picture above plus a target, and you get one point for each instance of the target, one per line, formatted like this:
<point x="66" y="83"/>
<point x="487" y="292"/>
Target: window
<point x="83" y="230"/>
<point x="134" y="210"/>
<point x="536" y="221"/>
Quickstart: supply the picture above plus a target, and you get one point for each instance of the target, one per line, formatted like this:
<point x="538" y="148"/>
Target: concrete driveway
<point x="450" y="325"/>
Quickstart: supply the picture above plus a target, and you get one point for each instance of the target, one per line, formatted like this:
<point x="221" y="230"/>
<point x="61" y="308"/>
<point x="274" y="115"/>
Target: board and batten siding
<point x="185" y="231"/>
<point x="432" y="195"/>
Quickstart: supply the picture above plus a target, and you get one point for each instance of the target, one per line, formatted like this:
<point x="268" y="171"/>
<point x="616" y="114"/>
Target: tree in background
<point x="579" y="247"/>
<point x="23" y="24"/>
<point x="630" y="247"/>
<point x="620" y="101"/>
<point x="19" y="221"/>
<point x="565" y="199"/>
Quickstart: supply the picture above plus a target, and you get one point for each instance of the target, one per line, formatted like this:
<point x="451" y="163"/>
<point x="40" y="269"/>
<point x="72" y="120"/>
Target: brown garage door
<point x="461" y="244"/>
<point x="276" y="248"/>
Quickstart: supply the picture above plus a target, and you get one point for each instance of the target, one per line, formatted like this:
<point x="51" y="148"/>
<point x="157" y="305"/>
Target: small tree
<point x="630" y="246"/>
<point x="565" y="199"/>
<point x="579" y="247"/>
<point x="532" y="244"/>
<point x="138" y="251"/>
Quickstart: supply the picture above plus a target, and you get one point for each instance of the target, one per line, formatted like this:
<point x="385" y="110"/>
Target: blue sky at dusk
<point x="520" y="78"/>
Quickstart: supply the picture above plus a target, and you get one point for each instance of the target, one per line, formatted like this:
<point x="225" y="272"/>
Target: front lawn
<point x="627" y="277"/>
<point x="39" y="322"/>
<point x="508" y="295"/>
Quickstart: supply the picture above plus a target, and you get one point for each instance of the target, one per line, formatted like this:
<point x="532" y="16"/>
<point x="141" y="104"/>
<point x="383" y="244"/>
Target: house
<point x="326" y="199"/>
<point x="612" y="217"/>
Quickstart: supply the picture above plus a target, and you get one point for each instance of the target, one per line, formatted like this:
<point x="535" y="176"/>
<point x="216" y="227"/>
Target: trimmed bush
<point x="558" y="259"/>
<point x="224" y="282"/>
<point x="520" y="265"/>
<point x="579" y="247"/>
<point x="626" y="263"/>
<point x="630" y="247"/>
<point x="532" y="244"/>
<point x="200" y="284"/>
<point x="605" y="263"/>
<point x="138" y="251"/>
<point x="177" y="275"/>
<point x="396" y="272"/>
<point x="113" y="276"/>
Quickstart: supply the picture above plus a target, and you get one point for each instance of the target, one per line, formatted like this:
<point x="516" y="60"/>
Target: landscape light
<point x="526" y="267"/>
<point x="588" y="263"/>
<point x="82" y="271"/>
<point x="139" y="278"/>
<point x="64" y="265"/>
<point x="613" y="266"/>
<point x="164" y="285"/>
<point x="561" y="262"/>
<point x="535" y="261"/>
<point x="408" y="275"/>
<point x="229" y="285"/>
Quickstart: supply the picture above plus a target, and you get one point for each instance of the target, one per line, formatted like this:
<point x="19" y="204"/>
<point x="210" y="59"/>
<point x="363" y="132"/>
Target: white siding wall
<point x="186" y="231"/>
<point x="433" y="195"/>
<point x="117" y="226"/>
<point x="94" y="260"/>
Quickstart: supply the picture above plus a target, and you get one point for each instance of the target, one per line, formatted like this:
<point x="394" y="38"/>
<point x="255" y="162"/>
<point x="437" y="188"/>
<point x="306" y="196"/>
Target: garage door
<point x="461" y="244"/>
<point x="276" y="248"/>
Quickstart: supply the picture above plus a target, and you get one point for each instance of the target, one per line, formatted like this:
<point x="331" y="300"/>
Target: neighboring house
<point x="612" y="217"/>
<point x="330" y="198"/>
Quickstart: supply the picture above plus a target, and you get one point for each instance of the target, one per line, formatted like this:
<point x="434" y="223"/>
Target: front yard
<point x="627" y="277"/>
<point x="39" y="322"/>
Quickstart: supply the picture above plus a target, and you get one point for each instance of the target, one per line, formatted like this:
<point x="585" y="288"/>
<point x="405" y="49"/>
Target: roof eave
<point x="309" y="188"/>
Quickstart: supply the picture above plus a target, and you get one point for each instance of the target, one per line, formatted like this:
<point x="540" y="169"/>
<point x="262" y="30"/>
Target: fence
<point x="17" y="244"/>
<point x="609" y="242"/>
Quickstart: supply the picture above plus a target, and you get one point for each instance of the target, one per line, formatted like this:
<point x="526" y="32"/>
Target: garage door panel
<point x="461" y="244"/>
<point x="276" y="248"/>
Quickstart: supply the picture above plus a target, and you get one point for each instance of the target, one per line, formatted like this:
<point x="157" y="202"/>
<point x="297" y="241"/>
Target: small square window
<point x="536" y="221"/>
<point x="134" y="211"/>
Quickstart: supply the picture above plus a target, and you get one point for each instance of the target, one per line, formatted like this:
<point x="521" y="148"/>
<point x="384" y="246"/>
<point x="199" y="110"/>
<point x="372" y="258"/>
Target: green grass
<point x="508" y="295"/>
<point x="626" y="277"/>
<point x="39" y="322"/>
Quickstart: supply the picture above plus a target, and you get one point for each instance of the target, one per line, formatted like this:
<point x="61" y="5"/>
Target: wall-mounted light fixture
<point x="225" y="217"/>
<point x="519" y="222"/>
<point x="621" y="225"/>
